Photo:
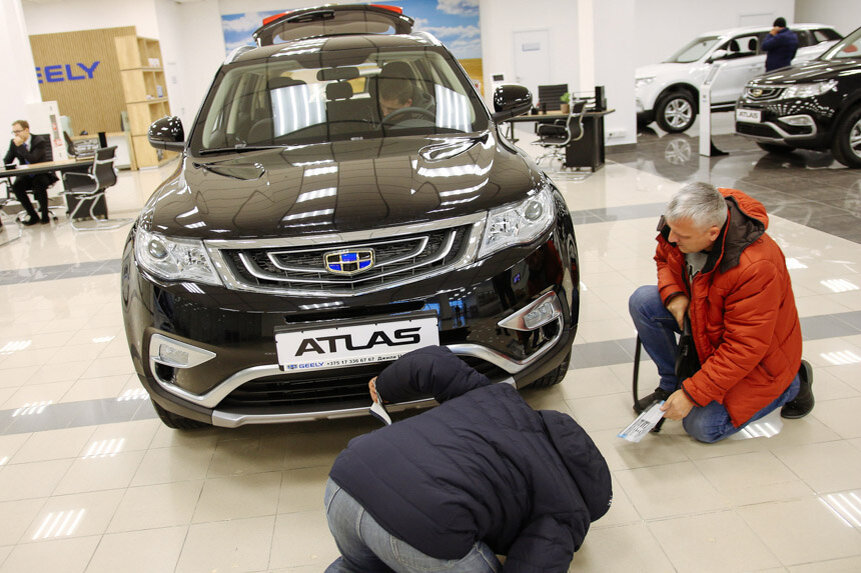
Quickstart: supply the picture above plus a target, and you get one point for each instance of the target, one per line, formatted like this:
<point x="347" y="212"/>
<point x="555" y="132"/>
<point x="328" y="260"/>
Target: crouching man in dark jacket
<point x="481" y="475"/>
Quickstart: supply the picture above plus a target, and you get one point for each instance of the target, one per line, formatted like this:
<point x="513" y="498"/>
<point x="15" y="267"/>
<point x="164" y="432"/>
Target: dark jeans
<point x="368" y="548"/>
<point x="39" y="185"/>
<point x="657" y="329"/>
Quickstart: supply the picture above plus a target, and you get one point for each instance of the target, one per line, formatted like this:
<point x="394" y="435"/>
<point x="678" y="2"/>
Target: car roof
<point x="758" y="29"/>
<point x="417" y="41"/>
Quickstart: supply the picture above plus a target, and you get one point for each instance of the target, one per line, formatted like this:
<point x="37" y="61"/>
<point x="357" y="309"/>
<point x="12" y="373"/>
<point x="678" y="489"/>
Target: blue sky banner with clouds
<point x="453" y="22"/>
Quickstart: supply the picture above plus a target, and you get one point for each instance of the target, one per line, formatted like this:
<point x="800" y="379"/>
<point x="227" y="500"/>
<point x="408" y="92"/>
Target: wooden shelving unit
<point x="145" y="92"/>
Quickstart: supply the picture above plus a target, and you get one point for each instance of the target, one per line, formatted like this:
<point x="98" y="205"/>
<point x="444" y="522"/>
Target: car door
<point x="741" y="64"/>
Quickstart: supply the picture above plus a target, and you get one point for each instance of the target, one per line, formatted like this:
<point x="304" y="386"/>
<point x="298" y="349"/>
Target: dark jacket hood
<point x="583" y="460"/>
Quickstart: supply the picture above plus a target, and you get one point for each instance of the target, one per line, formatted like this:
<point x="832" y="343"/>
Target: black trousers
<point x="39" y="185"/>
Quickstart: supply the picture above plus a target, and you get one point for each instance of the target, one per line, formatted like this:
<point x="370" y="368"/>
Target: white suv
<point x="668" y="93"/>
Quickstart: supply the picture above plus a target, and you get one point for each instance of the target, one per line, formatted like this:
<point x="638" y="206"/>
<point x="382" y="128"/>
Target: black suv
<point x="816" y="105"/>
<point x="343" y="197"/>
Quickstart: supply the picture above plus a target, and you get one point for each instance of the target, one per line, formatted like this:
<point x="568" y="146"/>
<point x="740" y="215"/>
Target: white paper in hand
<point x="643" y="424"/>
<point x="378" y="411"/>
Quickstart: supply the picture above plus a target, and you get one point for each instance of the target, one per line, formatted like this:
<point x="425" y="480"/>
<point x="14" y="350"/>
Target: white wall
<point x="192" y="47"/>
<point x="500" y="19"/>
<point x="844" y="15"/>
<point x="615" y="39"/>
<point x="74" y="15"/>
<point x="664" y="26"/>
<point x="18" y="67"/>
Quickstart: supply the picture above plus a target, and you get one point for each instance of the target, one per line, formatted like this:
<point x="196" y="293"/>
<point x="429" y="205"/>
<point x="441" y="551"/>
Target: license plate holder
<point x="340" y="344"/>
<point x="748" y="115"/>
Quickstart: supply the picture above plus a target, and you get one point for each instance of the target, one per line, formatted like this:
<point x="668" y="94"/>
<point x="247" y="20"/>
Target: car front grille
<point x="311" y="269"/>
<point x="757" y="93"/>
<point x="756" y="130"/>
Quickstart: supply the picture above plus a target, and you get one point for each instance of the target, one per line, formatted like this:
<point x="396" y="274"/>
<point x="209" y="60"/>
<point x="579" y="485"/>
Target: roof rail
<point x="236" y="53"/>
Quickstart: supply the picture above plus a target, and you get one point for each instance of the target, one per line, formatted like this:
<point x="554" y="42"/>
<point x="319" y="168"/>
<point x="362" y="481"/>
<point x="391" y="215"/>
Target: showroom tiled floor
<point x="91" y="481"/>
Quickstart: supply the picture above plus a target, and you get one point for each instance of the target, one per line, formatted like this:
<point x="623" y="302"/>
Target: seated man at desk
<point x="28" y="149"/>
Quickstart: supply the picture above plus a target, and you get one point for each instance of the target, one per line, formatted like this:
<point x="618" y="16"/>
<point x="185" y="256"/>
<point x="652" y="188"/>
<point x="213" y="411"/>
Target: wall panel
<point x="89" y="93"/>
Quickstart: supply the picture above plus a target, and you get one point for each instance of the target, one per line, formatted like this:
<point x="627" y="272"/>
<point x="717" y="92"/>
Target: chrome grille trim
<point x="324" y="276"/>
<point x="422" y="244"/>
<point x="765" y="93"/>
<point x="334" y="241"/>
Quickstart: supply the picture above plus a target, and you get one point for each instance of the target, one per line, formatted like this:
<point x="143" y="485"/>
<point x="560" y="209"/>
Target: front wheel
<point x="846" y="146"/>
<point x="555" y="376"/>
<point x="176" y="421"/>
<point x="675" y="112"/>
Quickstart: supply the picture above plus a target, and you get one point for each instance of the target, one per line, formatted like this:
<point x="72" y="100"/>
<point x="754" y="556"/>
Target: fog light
<point x="797" y="120"/>
<point x="536" y="314"/>
<point x="176" y="354"/>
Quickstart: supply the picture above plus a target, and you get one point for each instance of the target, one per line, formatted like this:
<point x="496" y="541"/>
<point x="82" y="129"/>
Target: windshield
<point x="694" y="50"/>
<point x="302" y="95"/>
<point x="848" y="47"/>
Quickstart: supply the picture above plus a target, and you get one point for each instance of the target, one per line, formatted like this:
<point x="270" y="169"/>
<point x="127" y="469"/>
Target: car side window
<point x="804" y="38"/>
<point x="824" y="35"/>
<point x="742" y="46"/>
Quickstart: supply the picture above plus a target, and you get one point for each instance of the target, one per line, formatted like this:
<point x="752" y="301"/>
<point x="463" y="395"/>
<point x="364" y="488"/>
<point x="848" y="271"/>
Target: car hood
<point x="809" y="71"/>
<point x="656" y="70"/>
<point x="339" y="187"/>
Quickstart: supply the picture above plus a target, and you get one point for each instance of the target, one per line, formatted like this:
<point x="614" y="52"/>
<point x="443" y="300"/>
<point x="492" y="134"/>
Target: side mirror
<point x="719" y="55"/>
<point x="510" y="100"/>
<point x="167" y="133"/>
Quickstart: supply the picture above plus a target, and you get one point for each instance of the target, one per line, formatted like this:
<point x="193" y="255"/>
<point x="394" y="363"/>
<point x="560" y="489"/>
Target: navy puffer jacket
<point x="481" y="466"/>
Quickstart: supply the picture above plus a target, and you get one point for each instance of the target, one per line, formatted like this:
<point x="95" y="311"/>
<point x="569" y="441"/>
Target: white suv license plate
<point x="748" y="115"/>
<point x="319" y="349"/>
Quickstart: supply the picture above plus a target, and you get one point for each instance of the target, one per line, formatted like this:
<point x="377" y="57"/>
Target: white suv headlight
<point x="519" y="223"/>
<point x="808" y="90"/>
<point x="643" y="82"/>
<point x="174" y="259"/>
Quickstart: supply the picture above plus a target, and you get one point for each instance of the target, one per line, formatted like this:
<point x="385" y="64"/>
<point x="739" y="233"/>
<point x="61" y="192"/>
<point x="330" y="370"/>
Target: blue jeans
<point x="368" y="548"/>
<point x="657" y="329"/>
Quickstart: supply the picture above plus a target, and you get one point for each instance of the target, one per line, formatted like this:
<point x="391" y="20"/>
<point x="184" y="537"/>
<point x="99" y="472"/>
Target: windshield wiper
<point x="237" y="149"/>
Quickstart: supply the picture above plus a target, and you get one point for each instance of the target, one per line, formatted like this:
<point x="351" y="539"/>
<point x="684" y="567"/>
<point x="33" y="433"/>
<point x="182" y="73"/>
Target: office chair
<point x="548" y="96"/>
<point x="89" y="188"/>
<point x="555" y="137"/>
<point x="5" y="220"/>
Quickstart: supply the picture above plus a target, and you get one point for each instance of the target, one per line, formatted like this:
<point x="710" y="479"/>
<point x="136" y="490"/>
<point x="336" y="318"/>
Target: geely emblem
<point x="349" y="262"/>
<point x="756" y="92"/>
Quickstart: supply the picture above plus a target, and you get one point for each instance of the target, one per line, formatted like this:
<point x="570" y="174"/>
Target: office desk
<point x="77" y="165"/>
<point x="47" y="167"/>
<point x="588" y="151"/>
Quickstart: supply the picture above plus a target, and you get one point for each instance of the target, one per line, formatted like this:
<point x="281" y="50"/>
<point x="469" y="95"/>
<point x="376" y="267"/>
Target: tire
<point x="675" y="112"/>
<point x="176" y="421"/>
<point x="555" y="376"/>
<point x="775" y="148"/>
<point x="846" y="146"/>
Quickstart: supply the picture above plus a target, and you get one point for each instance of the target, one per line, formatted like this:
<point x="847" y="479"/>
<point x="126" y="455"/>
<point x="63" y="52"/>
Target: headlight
<point x="808" y="90"/>
<point x="643" y="82"/>
<point x="174" y="259"/>
<point x="517" y="224"/>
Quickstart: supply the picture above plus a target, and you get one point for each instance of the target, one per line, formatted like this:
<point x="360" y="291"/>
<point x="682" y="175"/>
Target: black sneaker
<point x="45" y="219"/>
<point x="803" y="403"/>
<point x="30" y="221"/>
<point x="656" y="396"/>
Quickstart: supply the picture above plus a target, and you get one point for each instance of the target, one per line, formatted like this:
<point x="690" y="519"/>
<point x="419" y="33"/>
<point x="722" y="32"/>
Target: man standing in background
<point x="780" y="46"/>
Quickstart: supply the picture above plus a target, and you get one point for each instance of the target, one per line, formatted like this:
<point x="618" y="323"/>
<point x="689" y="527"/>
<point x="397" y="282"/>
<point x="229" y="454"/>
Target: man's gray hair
<point x="700" y="202"/>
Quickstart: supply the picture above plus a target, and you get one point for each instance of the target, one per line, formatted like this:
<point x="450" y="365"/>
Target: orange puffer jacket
<point x="743" y="317"/>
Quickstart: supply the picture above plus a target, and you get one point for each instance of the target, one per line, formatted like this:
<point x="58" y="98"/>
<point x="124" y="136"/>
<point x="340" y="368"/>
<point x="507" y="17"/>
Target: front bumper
<point x="799" y="123"/>
<point x="242" y="382"/>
